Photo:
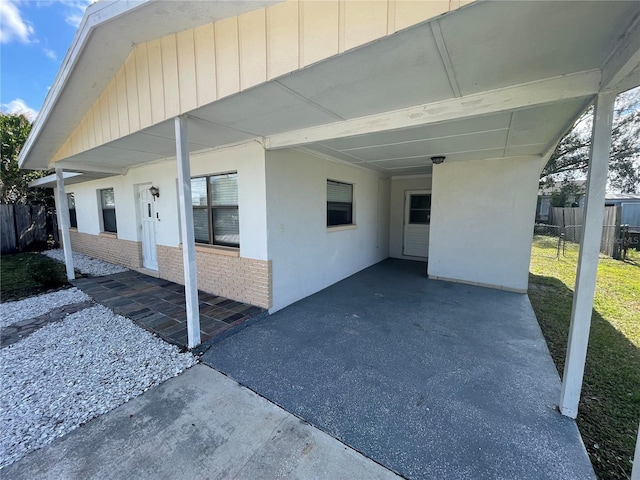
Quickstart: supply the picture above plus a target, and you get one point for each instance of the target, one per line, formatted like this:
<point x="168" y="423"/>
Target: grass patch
<point x="25" y="274"/>
<point x="609" y="409"/>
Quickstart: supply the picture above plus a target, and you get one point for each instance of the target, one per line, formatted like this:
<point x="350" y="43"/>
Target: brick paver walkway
<point x="22" y="329"/>
<point x="159" y="306"/>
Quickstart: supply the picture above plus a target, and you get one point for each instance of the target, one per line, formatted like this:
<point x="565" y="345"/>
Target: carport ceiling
<point x="529" y="131"/>
<point x="484" y="47"/>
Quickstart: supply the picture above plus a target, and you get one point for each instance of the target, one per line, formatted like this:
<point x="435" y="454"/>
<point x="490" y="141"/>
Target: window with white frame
<point x="339" y="203"/>
<point x="215" y="209"/>
<point x="71" y="203"/>
<point x="108" y="204"/>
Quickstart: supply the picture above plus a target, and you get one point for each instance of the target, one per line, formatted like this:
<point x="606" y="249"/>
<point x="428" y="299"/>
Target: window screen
<point x="108" y="202"/>
<point x="71" y="203"/>
<point x="215" y="209"/>
<point x="339" y="203"/>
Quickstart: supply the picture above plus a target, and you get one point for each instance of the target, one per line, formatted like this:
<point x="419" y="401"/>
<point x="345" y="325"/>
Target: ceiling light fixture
<point x="438" y="159"/>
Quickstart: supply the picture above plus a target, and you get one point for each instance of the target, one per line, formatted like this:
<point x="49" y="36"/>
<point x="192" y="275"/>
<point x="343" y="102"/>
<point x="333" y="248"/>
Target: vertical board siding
<point x="252" y="36"/>
<point x="113" y="110"/>
<point x="104" y="118"/>
<point x="283" y="41"/>
<point x="131" y="85"/>
<point x="177" y="73"/>
<point x="187" y="82"/>
<point x="123" y="105"/>
<point x="143" y="84"/>
<point x="97" y="123"/>
<point x="156" y="82"/>
<point x="169" y="55"/>
<point x="91" y="128"/>
<point x="227" y="56"/>
<point x="205" y="58"/>
<point x="363" y="22"/>
<point x="319" y="30"/>
<point x="410" y="12"/>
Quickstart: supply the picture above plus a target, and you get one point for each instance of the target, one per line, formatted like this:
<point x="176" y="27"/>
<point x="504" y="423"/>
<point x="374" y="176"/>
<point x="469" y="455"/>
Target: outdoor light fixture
<point x="438" y="160"/>
<point x="155" y="191"/>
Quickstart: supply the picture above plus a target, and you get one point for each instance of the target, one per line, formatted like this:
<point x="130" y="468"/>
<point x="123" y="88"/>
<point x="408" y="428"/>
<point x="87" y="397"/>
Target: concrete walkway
<point x="199" y="425"/>
<point x="431" y="379"/>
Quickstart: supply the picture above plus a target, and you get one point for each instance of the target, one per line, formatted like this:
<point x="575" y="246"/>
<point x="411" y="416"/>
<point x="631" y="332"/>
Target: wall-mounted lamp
<point x="155" y="192"/>
<point x="438" y="160"/>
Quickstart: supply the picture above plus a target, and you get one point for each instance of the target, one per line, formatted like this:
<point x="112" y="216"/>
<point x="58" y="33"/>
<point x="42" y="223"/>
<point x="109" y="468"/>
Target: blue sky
<point x="34" y="38"/>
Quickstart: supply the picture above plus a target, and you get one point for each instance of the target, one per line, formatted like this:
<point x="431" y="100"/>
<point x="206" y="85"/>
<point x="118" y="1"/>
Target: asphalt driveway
<point x="431" y="379"/>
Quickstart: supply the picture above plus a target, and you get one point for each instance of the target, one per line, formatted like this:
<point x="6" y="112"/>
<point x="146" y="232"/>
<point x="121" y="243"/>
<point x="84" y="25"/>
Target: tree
<point x="14" y="183"/>
<point x="568" y="195"/>
<point x="571" y="157"/>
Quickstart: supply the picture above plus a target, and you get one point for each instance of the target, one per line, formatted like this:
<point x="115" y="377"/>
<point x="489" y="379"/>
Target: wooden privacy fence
<point x="25" y="227"/>
<point x="570" y="221"/>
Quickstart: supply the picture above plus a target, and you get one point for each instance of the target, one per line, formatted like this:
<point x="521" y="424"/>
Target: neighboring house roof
<point x="488" y="80"/>
<point x="622" y="197"/>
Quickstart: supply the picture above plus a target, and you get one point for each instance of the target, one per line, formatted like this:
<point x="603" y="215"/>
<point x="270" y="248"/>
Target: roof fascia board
<point x="84" y="167"/>
<point x="516" y="97"/>
<point x="44" y="181"/>
<point x="96" y="14"/>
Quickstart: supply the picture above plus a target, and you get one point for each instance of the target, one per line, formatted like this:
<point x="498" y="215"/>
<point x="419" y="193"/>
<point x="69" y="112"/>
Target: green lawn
<point x="609" y="410"/>
<point x="26" y="274"/>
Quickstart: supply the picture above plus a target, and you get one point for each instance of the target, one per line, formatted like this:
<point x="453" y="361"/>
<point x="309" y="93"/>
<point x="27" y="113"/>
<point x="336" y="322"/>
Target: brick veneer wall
<point x="108" y="248"/>
<point x="243" y="279"/>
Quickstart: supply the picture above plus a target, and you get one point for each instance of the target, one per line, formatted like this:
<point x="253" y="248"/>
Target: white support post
<point x="188" y="236"/>
<point x="635" y="471"/>
<point x="588" y="259"/>
<point x="64" y="222"/>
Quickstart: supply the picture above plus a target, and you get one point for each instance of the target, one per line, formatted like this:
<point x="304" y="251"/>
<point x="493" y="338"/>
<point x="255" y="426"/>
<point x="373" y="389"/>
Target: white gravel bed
<point x="87" y="265"/>
<point x="69" y="372"/>
<point x="12" y="312"/>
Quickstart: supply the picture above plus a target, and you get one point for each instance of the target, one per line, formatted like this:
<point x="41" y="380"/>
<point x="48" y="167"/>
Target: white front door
<point x="417" y="217"/>
<point x="148" y="227"/>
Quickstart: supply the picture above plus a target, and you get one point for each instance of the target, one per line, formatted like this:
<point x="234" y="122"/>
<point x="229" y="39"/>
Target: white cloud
<point x="76" y="10"/>
<point x="73" y="20"/>
<point x="50" y="53"/>
<point x="13" y="26"/>
<point x="18" y="106"/>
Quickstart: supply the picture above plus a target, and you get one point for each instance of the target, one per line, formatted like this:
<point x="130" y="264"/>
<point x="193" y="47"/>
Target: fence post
<point x="560" y="240"/>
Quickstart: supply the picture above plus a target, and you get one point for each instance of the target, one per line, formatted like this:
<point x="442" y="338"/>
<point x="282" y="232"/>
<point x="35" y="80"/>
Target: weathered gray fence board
<point x="570" y="220"/>
<point x="7" y="229"/>
<point x="24" y="227"/>
<point x="39" y="221"/>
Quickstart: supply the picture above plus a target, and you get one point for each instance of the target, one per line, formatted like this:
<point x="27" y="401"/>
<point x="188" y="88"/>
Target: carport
<point x="431" y="379"/>
<point x="491" y="86"/>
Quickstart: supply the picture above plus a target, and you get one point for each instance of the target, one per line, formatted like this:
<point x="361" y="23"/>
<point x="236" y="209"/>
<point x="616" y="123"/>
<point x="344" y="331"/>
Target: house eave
<point x="88" y="66"/>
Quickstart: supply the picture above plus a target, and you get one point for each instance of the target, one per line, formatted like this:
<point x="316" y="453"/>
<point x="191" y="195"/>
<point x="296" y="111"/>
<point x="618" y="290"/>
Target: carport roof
<point x="489" y="80"/>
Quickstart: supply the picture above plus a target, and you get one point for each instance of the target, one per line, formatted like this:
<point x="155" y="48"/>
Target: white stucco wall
<point x="482" y="219"/>
<point x="399" y="185"/>
<point x="248" y="160"/>
<point x="306" y="256"/>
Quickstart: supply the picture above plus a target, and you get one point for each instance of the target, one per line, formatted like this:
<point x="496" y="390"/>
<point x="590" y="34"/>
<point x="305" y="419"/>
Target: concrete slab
<point x="431" y="379"/>
<point x="201" y="425"/>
